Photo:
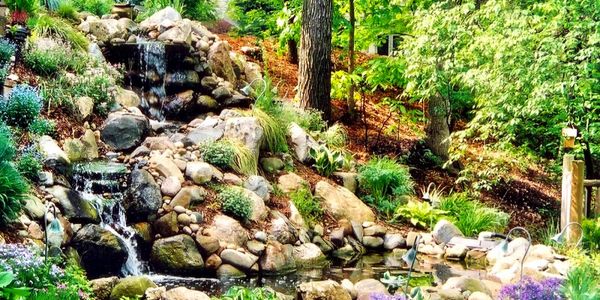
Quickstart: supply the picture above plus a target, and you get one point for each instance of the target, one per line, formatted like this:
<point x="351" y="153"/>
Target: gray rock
<point x="226" y="271"/>
<point x="221" y="93"/>
<point x="369" y="286"/>
<point x="143" y="196"/>
<point x="282" y="229"/>
<point x="242" y="260"/>
<point x="54" y="157"/>
<point x="260" y="186"/>
<point x="301" y="142"/>
<point x="228" y="230"/>
<point x="277" y="259"/>
<point x="373" y="242"/>
<point x="84" y="107"/>
<point x="342" y="203"/>
<point x="167" y="225"/>
<point x="131" y="287"/>
<point x="102" y="287"/>
<point x="322" y="290"/>
<point x="101" y="252"/>
<point x="291" y="182"/>
<point x="444" y="231"/>
<point x="375" y="230"/>
<point x="246" y="130"/>
<point x="106" y="29"/>
<point x="220" y="61"/>
<point x="165" y="15"/>
<point x="204" y="134"/>
<point x="255" y="247"/>
<point x="393" y="240"/>
<point x="124" y="131"/>
<point x="349" y="180"/>
<point x="34" y="207"/>
<point x="358" y="230"/>
<point x="127" y="98"/>
<point x="170" y="186"/>
<point x="209" y="83"/>
<point x="176" y="255"/>
<point x="73" y="206"/>
<point x="308" y="254"/>
<point x="181" y="81"/>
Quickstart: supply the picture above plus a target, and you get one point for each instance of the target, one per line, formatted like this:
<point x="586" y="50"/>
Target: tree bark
<point x="438" y="130"/>
<point x="351" y="104"/>
<point x="314" y="78"/>
<point x="292" y="51"/>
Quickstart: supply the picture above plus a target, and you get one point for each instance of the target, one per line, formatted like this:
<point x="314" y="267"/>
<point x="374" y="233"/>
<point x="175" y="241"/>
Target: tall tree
<point x="314" y="78"/>
<point x="351" y="103"/>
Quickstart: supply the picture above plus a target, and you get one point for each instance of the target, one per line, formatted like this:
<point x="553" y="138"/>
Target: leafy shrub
<point x="473" y="217"/>
<point x="528" y="288"/>
<point x="335" y="137"/>
<point x="41" y="126"/>
<point x="236" y="203"/>
<point x="256" y="17"/>
<point x="8" y="290"/>
<point x="308" y="206"/>
<point x="244" y="293"/>
<point x="97" y="7"/>
<point x="383" y="176"/>
<point x="7" y="50"/>
<point x="22" y="106"/>
<point x="7" y="145"/>
<point x="4" y="72"/>
<point x="591" y="234"/>
<point x="43" y="62"/>
<point x="244" y="160"/>
<point x="201" y="10"/>
<point x="219" y="153"/>
<point x="583" y="280"/>
<point x="67" y="10"/>
<point x="326" y="161"/>
<point x="152" y="6"/>
<point x="51" y="279"/>
<point x="27" y="6"/>
<point x="29" y="164"/>
<point x="420" y="214"/>
<point x="13" y="190"/>
<point x="49" y="26"/>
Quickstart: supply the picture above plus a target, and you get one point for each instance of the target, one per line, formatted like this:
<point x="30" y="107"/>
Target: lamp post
<point x="410" y="257"/>
<point x="504" y="247"/>
<point x="53" y="233"/>
<point x="247" y="90"/>
<point x="559" y="238"/>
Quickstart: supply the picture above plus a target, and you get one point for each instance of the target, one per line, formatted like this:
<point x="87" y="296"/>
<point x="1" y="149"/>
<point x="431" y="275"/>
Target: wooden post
<point x="572" y="200"/>
<point x="596" y="203"/>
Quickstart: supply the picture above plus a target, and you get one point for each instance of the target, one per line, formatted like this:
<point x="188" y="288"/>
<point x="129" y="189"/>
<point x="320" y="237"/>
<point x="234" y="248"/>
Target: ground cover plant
<point x="236" y="203"/>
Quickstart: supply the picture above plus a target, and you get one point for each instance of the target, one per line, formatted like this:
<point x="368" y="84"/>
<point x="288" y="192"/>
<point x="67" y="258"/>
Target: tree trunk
<point x="314" y="71"/>
<point x="351" y="104"/>
<point x="438" y="130"/>
<point x="292" y="51"/>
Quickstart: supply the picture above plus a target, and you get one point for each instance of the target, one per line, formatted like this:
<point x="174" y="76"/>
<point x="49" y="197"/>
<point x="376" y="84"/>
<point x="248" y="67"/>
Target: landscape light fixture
<point x="54" y="233"/>
<point x="410" y="257"/>
<point x="426" y="194"/>
<point x="504" y="246"/>
<point x="247" y="90"/>
<point x="559" y="238"/>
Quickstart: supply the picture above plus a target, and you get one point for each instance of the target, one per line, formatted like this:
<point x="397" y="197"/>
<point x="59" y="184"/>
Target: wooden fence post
<point x="572" y="200"/>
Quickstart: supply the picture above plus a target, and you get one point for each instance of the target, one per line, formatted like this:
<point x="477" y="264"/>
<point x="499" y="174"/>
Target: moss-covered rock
<point x="176" y="255"/>
<point x="131" y="287"/>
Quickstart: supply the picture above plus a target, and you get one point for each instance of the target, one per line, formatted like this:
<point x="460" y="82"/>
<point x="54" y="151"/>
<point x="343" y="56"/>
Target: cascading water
<point x="153" y="69"/>
<point x="95" y="181"/>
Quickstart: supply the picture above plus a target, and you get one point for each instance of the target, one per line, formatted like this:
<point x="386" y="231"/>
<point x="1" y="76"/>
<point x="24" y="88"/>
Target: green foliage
<point x="274" y="139"/>
<point x="10" y="292"/>
<point x="7" y="145"/>
<point x="473" y="217"/>
<point x="326" y="161"/>
<point x="384" y="176"/>
<point x="308" y="206"/>
<point x="235" y="203"/>
<point x="220" y="153"/>
<point x="153" y="6"/>
<point x="201" y="10"/>
<point x="245" y="161"/>
<point x="591" y="234"/>
<point x="420" y="214"/>
<point x="30" y="164"/>
<point x="49" y="26"/>
<point x="96" y="7"/>
<point x="67" y="10"/>
<point x="583" y="280"/>
<point x="7" y="50"/>
<point x="41" y="126"/>
<point x="256" y="18"/>
<point x="43" y="62"/>
<point x="335" y="137"/>
<point x="244" y="293"/>
<point x="27" y="6"/>
<point x="22" y="107"/>
<point x="13" y="191"/>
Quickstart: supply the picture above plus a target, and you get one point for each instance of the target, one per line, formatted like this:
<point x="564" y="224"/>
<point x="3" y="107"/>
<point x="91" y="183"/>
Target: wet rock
<point x="167" y="225"/>
<point x="176" y="255"/>
<point x="207" y="102"/>
<point x="444" y="231"/>
<point x="101" y="252"/>
<point x="358" y="230"/>
<point x="54" y="157"/>
<point x="209" y="83"/>
<point x="277" y="259"/>
<point x="182" y="293"/>
<point x="260" y="186"/>
<point x="291" y="182"/>
<point x="241" y="260"/>
<point x="220" y="61"/>
<point x="301" y="142"/>
<point x="213" y="262"/>
<point x="208" y="244"/>
<point x="342" y="203"/>
<point x="102" y="287"/>
<point x="226" y="271"/>
<point x="337" y="237"/>
<point x="84" y="148"/>
<point x="221" y="93"/>
<point x="324" y="245"/>
<point x="73" y="206"/>
<point x="393" y="240"/>
<point x="373" y="242"/>
<point x="323" y="290"/>
<point x="143" y="196"/>
<point x="181" y="80"/>
<point x="308" y="254"/>
<point x="124" y="131"/>
<point x="228" y="230"/>
<point x="246" y="130"/>
<point x="131" y="287"/>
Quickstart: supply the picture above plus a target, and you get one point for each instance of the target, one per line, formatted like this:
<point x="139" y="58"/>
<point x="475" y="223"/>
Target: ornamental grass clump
<point x="473" y="217"/>
<point x="530" y="289"/>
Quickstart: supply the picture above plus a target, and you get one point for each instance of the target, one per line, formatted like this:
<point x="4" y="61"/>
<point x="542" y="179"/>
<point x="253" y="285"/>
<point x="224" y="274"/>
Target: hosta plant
<point x="420" y="214"/>
<point x="326" y="161"/>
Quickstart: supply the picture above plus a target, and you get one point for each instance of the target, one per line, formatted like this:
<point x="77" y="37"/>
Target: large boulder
<point x="143" y="196"/>
<point x="102" y="287"/>
<point x="246" y="130"/>
<point x="101" y="252"/>
<point x="34" y="207"/>
<point x="182" y="293"/>
<point x="176" y="255"/>
<point x="74" y="206"/>
<point x="259" y="209"/>
<point x="322" y="290"/>
<point x="163" y="16"/>
<point x="260" y="186"/>
<point x="220" y="61"/>
<point x="181" y="81"/>
<point x="167" y="225"/>
<point x="302" y="142"/>
<point x="291" y="182"/>
<point x="166" y="167"/>
<point x="207" y="131"/>
<point x="83" y="148"/>
<point x="342" y="203"/>
<point x="180" y="33"/>
<point x="227" y="230"/>
<point x="106" y="29"/>
<point x="282" y="229"/>
<point x="127" y="98"/>
<point x="54" y="157"/>
<point x="309" y="255"/>
<point x="444" y="231"/>
<point x="277" y="259"/>
<point x="124" y="131"/>
<point x="131" y="287"/>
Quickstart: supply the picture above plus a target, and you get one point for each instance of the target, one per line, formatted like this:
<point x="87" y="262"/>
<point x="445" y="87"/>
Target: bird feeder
<point x="569" y="135"/>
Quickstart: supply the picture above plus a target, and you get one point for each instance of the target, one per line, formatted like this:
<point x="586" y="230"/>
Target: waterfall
<point x="93" y="180"/>
<point x="153" y="69"/>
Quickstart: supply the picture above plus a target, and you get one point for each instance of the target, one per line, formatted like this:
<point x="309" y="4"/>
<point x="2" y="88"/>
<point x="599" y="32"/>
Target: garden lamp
<point x="559" y="238"/>
<point x="410" y="257"/>
<point x="247" y="90"/>
<point x="426" y="195"/>
<point x="54" y="232"/>
<point x="504" y="246"/>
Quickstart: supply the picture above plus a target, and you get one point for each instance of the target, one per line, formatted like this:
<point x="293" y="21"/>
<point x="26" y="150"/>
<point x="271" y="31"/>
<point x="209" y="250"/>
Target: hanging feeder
<point x="569" y="135"/>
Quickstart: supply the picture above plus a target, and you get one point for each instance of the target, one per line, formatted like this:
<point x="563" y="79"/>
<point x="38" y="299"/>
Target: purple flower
<point x="382" y="296"/>
<point x="530" y="289"/>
